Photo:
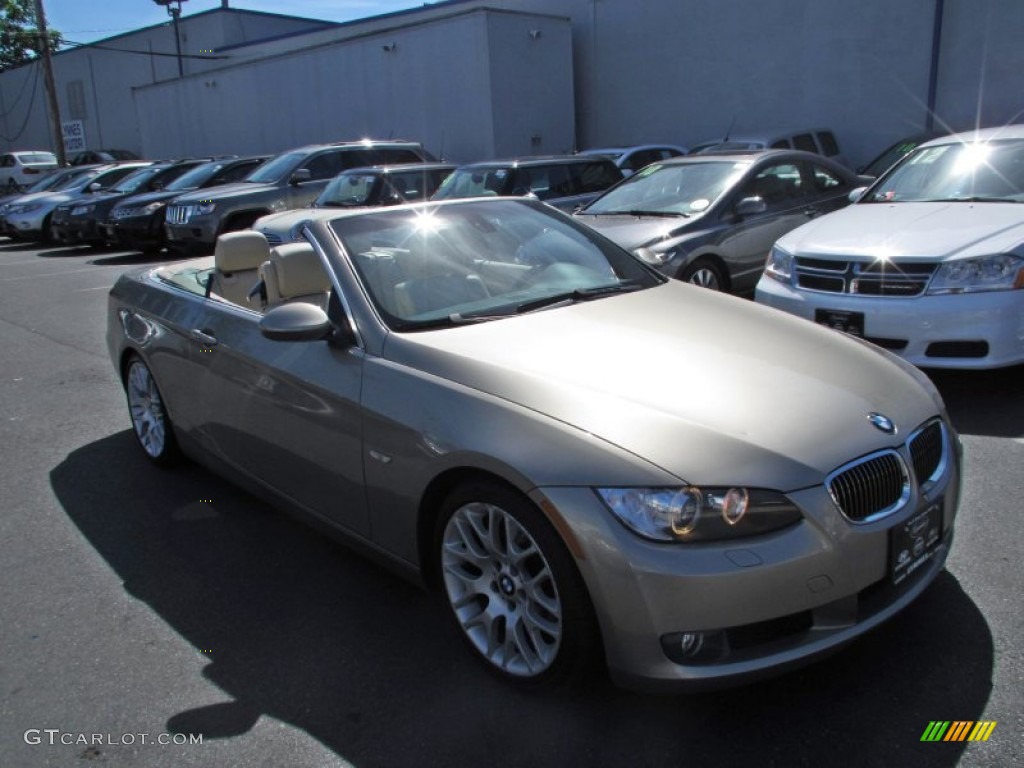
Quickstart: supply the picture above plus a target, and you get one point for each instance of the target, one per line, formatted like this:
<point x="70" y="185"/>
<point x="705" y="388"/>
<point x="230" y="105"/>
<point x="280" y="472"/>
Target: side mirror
<point x="94" y="187"/>
<point x="296" y="322"/>
<point x="857" y="194"/>
<point x="750" y="206"/>
<point x="301" y="175"/>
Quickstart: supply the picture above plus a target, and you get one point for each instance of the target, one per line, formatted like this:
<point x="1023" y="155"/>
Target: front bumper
<point x="199" y="235"/>
<point x="970" y="330"/>
<point x="768" y="603"/>
<point x="27" y="226"/>
<point x="138" y="232"/>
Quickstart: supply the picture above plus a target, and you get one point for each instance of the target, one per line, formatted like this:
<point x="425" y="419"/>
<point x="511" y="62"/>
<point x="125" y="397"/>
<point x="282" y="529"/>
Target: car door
<point x="746" y="243"/>
<point x="322" y="166"/>
<point x="286" y="414"/>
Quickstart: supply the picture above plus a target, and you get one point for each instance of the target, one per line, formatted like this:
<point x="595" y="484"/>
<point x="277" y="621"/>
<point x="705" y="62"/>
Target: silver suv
<point x="293" y="179"/>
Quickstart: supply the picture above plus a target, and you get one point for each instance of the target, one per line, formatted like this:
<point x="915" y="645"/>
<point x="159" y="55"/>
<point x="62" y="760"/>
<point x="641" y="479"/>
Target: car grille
<point x="871" y="487"/>
<point x="891" y="279"/>
<point x="928" y="452"/>
<point x="879" y="484"/>
<point x="179" y="214"/>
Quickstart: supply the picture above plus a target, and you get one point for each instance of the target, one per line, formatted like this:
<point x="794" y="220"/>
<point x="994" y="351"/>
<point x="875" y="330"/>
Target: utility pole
<point x="174" y="11"/>
<point x="51" y="88"/>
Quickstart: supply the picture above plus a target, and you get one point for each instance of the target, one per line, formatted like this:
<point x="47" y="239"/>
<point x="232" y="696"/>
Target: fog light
<point x="691" y="643"/>
<point x="695" y="647"/>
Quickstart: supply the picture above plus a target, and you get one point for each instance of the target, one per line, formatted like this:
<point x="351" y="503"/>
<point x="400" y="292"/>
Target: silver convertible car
<point x="591" y="463"/>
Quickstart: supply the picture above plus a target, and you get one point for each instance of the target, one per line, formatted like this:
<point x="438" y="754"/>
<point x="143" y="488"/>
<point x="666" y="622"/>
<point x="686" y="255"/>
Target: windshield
<point x="133" y="182"/>
<point x="977" y="172"/>
<point x="682" y="189"/>
<point x="194" y="177"/>
<point x="436" y="266"/>
<point x="276" y="168"/>
<point x="348" y="189"/>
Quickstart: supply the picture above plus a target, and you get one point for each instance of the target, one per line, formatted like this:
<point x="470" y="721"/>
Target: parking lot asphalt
<point x="139" y="601"/>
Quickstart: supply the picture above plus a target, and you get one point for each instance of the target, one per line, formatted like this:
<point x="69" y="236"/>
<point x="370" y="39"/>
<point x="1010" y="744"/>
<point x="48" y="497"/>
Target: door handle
<point x="203" y="337"/>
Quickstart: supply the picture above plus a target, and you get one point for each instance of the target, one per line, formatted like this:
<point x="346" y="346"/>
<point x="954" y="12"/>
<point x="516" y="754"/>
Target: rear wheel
<point x="512" y="587"/>
<point x="150" y="422"/>
<point x="705" y="273"/>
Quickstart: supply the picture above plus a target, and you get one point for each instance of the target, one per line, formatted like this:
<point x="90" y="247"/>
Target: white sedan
<point x="929" y="262"/>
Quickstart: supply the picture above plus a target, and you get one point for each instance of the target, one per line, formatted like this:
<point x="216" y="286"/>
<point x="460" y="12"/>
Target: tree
<point x="19" y="36"/>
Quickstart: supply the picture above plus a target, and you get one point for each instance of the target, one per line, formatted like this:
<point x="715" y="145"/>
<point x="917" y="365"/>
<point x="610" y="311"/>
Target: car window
<point x="778" y="185"/>
<point x="595" y="177"/>
<point x="416" y="185"/>
<point x="396" y="156"/>
<point x="107" y="178"/>
<point x="326" y="165"/>
<point x="781" y="144"/>
<point x="829" y="145"/>
<point x="824" y="179"/>
<point x="348" y="189"/>
<point x="236" y="172"/>
<point x="805" y="141"/>
<point x="476" y="182"/>
<point x="7" y="161"/>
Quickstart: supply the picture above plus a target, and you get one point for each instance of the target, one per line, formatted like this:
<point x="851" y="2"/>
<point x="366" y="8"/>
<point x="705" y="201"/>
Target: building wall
<point x="94" y="82"/>
<point x="444" y="82"/>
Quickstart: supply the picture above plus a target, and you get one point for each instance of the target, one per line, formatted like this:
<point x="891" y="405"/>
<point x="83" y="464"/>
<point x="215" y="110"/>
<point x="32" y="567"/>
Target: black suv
<point x="292" y="179"/>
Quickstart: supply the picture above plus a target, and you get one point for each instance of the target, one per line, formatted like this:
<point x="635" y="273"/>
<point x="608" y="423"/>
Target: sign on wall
<point x="74" y="135"/>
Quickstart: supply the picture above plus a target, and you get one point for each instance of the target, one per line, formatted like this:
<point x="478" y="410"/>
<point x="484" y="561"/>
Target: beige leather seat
<point x="237" y="258"/>
<point x="294" y="272"/>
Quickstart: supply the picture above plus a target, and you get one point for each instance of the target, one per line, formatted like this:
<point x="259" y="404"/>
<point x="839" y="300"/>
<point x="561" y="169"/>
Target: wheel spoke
<point x="501" y="589"/>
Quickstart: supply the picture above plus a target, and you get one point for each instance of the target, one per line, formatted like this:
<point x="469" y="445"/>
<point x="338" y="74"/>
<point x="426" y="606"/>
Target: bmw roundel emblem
<point x="883" y="423"/>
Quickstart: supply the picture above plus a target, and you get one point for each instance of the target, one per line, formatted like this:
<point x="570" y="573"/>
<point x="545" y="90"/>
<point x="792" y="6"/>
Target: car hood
<point x="223" y="192"/>
<point x="284" y="221"/>
<point x="633" y="232"/>
<point x="682" y="377"/>
<point x="926" y="231"/>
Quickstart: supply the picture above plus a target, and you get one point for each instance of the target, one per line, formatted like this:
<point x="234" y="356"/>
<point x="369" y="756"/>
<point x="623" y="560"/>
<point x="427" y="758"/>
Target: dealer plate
<point x="841" y="320"/>
<point x="913" y="542"/>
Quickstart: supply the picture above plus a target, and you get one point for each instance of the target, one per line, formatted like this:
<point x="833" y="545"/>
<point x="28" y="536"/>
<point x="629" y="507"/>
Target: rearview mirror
<point x="749" y="206"/>
<point x="94" y="187"/>
<point x="296" y="322"/>
<point x="857" y="194"/>
<point x="301" y="175"/>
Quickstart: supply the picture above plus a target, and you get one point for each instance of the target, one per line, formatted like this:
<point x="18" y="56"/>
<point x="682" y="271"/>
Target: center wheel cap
<point x="507" y="586"/>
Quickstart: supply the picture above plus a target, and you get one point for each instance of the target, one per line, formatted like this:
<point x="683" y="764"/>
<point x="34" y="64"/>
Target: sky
<point x="84" y="21"/>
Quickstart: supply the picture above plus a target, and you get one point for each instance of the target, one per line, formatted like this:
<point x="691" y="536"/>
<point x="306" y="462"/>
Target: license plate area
<point x="841" y="320"/>
<point x="913" y="542"/>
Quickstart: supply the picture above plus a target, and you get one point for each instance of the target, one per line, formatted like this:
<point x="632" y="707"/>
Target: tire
<point x="240" y="221"/>
<point x="705" y="273"/>
<point x="150" y="423"/>
<point x="512" y="588"/>
<point x="12" y="185"/>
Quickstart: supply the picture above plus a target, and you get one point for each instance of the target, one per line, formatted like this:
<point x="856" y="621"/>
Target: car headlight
<point x="1000" y="272"/>
<point x="27" y="208"/>
<point x="692" y="514"/>
<point x="204" y="209"/>
<point x="151" y="208"/>
<point x="779" y="265"/>
<point x="651" y="256"/>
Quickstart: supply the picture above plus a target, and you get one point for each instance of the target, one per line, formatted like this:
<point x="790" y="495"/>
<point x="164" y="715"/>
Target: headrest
<point x="298" y="270"/>
<point x="236" y="251"/>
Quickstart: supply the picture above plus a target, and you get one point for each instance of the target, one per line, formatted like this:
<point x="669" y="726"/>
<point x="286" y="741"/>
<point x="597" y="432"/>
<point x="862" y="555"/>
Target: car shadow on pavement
<point x="296" y="627"/>
<point x="984" y="402"/>
<point x="128" y="259"/>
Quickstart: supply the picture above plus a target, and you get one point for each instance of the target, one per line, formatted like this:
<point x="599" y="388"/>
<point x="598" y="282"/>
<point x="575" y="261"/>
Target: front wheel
<point x="705" y="273"/>
<point x="150" y="422"/>
<point x="512" y="587"/>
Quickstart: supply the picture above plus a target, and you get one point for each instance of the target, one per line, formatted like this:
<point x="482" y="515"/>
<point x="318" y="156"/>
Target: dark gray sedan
<point x="588" y="461"/>
<point x="712" y="219"/>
